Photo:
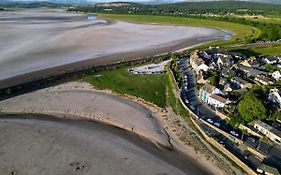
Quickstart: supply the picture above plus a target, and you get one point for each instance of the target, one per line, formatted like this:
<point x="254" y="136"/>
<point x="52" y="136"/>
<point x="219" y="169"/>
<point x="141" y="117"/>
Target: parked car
<point x="210" y="120"/>
<point x="234" y="133"/>
<point x="192" y="108"/>
<point x="222" y="143"/>
<point x="217" y="124"/>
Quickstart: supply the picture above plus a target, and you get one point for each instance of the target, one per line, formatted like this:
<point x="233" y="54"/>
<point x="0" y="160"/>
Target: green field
<point x="241" y="31"/>
<point x="151" y="88"/>
<point x="157" y="89"/>
<point x="273" y="50"/>
<point x="265" y="51"/>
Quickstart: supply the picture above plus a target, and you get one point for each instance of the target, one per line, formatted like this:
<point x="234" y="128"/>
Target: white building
<point x="270" y="60"/>
<point x="198" y="63"/>
<point x="216" y="101"/>
<point x="276" y="75"/>
<point x="275" y="96"/>
<point x="270" y="132"/>
<point x="264" y="80"/>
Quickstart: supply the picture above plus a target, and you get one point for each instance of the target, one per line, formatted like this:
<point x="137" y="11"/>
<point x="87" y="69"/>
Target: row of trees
<point x="270" y="31"/>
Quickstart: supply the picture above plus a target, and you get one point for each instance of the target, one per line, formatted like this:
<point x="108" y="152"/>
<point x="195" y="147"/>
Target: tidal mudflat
<point x="36" y="40"/>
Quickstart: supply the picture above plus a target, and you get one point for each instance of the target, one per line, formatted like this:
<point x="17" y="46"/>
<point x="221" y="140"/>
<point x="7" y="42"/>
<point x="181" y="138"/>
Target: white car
<point x="217" y="124"/>
<point x="210" y="120"/>
<point x="234" y="133"/>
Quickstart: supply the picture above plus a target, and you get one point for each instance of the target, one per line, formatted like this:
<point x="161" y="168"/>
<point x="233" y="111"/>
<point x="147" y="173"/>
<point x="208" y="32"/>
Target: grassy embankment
<point x="157" y="89"/>
<point x="151" y="88"/>
<point x="241" y="32"/>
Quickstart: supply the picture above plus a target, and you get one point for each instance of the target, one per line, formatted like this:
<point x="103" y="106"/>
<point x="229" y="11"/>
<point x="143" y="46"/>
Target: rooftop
<point x="240" y="80"/>
<point x="218" y="98"/>
<point x="243" y="68"/>
<point x="269" y="169"/>
<point x="209" y="88"/>
<point x="255" y="72"/>
<point x="195" y="57"/>
<point x="264" y="125"/>
<point x="269" y="128"/>
<point x="272" y="59"/>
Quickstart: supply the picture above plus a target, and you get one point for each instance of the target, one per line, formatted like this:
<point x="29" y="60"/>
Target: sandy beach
<point x="38" y="40"/>
<point x="44" y="145"/>
<point x="80" y="101"/>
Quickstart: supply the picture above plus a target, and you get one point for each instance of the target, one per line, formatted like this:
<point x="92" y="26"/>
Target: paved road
<point x="190" y="98"/>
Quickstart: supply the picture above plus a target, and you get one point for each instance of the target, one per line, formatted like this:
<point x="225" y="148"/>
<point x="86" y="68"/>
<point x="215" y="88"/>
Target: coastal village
<point x="229" y="84"/>
<point x="223" y="77"/>
<point x="213" y="85"/>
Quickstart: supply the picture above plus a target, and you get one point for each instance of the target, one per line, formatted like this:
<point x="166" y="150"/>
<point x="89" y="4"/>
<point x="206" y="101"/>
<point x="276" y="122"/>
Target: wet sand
<point x="44" y="145"/>
<point x="37" y="43"/>
<point x="79" y="100"/>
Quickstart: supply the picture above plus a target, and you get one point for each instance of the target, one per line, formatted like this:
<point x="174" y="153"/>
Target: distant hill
<point x="137" y="1"/>
<point x="91" y="2"/>
<point x="266" y="1"/>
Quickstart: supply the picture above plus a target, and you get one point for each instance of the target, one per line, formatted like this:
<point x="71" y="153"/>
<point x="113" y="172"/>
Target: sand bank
<point x="79" y="100"/>
<point x="38" y="40"/>
<point x="40" y="145"/>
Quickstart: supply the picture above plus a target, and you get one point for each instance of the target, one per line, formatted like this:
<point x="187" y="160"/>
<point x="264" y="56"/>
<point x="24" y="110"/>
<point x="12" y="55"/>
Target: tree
<point x="8" y="91"/>
<point x="251" y="108"/>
